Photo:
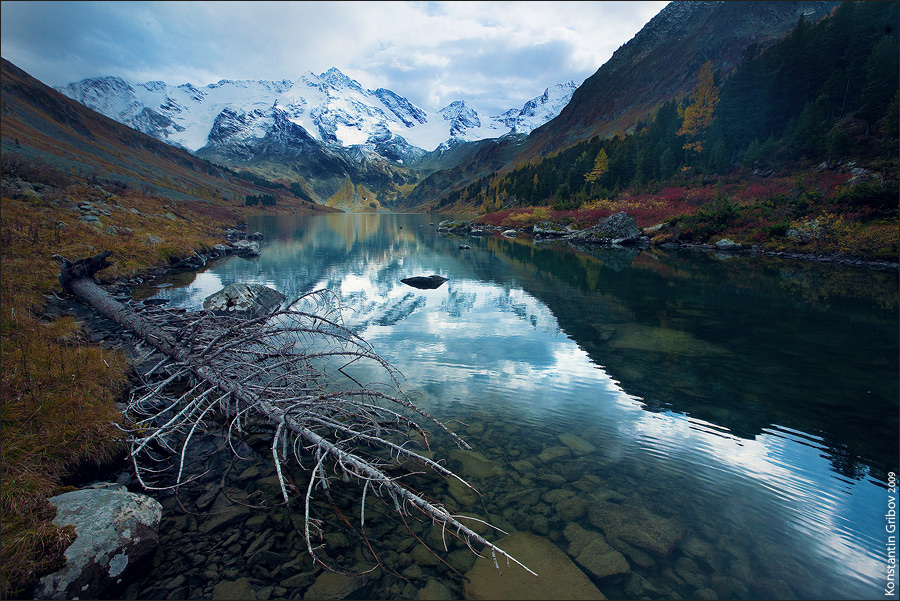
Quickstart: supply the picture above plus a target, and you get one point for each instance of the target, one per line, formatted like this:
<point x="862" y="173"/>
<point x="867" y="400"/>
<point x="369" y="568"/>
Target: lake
<point x="747" y="405"/>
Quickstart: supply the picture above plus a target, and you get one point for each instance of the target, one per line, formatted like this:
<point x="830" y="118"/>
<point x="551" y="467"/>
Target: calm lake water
<point x="749" y="403"/>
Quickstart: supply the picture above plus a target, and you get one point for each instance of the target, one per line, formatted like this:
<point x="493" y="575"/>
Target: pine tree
<point x="699" y="114"/>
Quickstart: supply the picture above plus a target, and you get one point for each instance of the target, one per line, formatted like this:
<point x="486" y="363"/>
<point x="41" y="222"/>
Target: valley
<point x="772" y="126"/>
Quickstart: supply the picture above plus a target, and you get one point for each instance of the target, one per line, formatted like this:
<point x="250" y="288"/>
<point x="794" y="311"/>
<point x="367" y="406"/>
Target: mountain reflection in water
<point x="742" y="394"/>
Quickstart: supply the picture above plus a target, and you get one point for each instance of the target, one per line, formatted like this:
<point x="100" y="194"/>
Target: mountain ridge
<point x="42" y="124"/>
<point x="322" y="129"/>
<point x="332" y="107"/>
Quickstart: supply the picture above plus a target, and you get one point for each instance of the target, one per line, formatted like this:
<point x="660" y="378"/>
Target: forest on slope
<point x="800" y="139"/>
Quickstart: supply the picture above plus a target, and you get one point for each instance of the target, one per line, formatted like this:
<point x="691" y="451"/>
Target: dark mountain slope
<point x="663" y="60"/>
<point x="40" y="123"/>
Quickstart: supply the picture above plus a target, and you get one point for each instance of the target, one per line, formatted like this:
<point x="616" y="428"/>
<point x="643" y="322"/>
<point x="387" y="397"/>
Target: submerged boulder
<point x="636" y="526"/>
<point x="424" y="282"/>
<point x="116" y="533"/>
<point x="557" y="576"/>
<point x="254" y="299"/>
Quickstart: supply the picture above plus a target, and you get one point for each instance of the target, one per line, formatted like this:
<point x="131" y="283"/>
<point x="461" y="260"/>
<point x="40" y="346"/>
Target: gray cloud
<point x="494" y="55"/>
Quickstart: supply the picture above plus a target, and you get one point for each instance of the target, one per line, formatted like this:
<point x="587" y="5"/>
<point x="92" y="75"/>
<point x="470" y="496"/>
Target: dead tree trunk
<point x="279" y="368"/>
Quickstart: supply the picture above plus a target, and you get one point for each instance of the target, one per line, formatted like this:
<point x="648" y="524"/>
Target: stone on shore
<point x="620" y="228"/>
<point x="116" y="532"/>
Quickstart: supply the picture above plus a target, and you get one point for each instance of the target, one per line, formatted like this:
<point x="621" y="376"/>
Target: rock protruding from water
<point x="424" y="282"/>
<point x="117" y="532"/>
<point x="254" y="299"/>
<point x="558" y="577"/>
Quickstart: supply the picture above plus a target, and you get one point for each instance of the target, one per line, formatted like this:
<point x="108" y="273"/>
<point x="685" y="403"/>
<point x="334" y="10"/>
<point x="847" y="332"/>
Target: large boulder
<point x="331" y="585"/>
<point x="620" y="228"/>
<point x="727" y="244"/>
<point x="557" y="576"/>
<point x="254" y="299"/>
<point x="116" y="533"/>
<point x="594" y="554"/>
<point x="636" y="526"/>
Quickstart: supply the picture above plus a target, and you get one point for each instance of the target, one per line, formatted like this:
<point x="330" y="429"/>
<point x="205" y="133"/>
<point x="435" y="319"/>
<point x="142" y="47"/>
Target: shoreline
<point x="826" y="259"/>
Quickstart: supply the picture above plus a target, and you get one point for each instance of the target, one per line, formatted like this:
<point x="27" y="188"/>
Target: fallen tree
<point x="288" y="370"/>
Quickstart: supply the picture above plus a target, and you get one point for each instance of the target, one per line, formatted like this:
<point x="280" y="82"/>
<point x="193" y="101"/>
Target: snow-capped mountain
<point x="234" y="117"/>
<point x="540" y="110"/>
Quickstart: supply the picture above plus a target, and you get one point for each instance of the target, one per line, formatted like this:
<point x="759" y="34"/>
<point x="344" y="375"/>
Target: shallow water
<point x="748" y="404"/>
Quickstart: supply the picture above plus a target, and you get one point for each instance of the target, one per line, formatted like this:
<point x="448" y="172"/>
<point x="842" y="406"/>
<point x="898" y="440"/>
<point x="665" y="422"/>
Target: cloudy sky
<point x="494" y="55"/>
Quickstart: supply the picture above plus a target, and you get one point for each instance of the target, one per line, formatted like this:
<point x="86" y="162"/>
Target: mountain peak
<point x="335" y="78"/>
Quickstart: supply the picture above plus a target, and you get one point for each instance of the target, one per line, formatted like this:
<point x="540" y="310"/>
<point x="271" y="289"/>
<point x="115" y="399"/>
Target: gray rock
<point x="449" y="225"/>
<point x="434" y="590"/>
<point x="601" y="560"/>
<point x="548" y="228"/>
<point x="116" y="532"/>
<point x="254" y="299"/>
<point x="726" y="244"/>
<point x="510" y="233"/>
<point x="620" y="228"/>
<point x="247" y="248"/>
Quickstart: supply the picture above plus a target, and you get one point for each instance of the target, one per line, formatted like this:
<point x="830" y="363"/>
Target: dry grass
<point x="58" y="391"/>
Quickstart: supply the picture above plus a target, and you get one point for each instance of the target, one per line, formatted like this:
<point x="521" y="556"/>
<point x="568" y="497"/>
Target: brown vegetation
<point x="58" y="391"/>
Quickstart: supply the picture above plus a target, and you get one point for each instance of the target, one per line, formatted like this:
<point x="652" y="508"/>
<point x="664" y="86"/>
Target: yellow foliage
<point x="699" y="114"/>
<point x="601" y="166"/>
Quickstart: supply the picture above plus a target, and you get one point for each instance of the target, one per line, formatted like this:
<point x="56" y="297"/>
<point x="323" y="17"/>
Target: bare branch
<point x="288" y="370"/>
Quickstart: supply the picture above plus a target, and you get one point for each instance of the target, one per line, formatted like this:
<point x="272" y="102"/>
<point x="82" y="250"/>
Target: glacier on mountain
<point x="332" y="108"/>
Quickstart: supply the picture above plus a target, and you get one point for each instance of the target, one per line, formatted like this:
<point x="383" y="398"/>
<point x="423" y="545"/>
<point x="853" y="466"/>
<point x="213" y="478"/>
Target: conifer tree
<point x="601" y="166"/>
<point x="699" y="114"/>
